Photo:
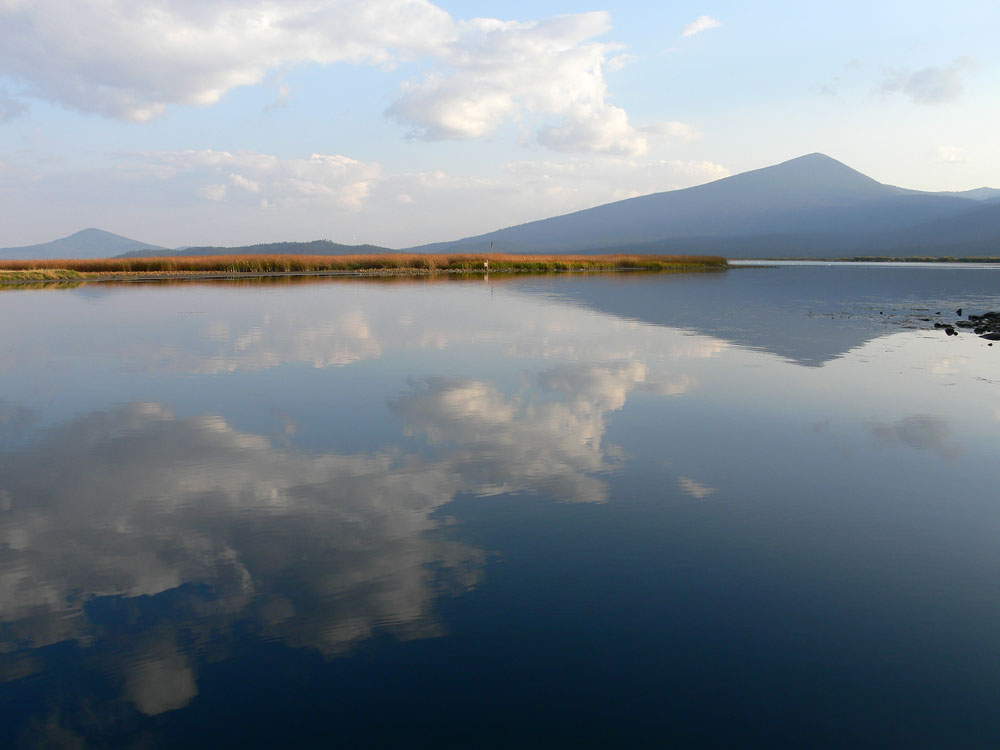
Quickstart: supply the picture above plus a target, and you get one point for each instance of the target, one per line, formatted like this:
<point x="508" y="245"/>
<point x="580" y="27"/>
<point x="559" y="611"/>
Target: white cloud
<point x="498" y="71"/>
<point x="952" y="155"/>
<point x="933" y="85"/>
<point x="214" y="192"/>
<point x="604" y="130"/>
<point x="246" y="183"/>
<point x="678" y="131"/>
<point x="331" y="178"/>
<point x="133" y="61"/>
<point x="618" y="62"/>
<point x="701" y="23"/>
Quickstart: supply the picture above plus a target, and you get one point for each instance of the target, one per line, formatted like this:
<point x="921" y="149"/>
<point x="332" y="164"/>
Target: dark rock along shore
<point x="986" y="326"/>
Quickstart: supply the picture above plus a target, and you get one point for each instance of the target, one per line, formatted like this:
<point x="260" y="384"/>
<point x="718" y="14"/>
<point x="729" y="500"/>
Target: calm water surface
<point x="759" y="507"/>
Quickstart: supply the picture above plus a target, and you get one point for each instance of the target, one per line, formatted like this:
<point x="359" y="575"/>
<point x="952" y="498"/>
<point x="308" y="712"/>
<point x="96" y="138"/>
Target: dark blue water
<point x="751" y="508"/>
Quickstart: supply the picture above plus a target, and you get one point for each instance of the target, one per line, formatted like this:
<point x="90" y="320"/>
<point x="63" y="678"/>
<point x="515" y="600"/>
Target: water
<point x="757" y="507"/>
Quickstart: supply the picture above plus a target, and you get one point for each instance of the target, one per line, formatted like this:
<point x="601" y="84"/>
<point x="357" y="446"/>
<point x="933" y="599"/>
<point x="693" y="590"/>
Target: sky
<point x="400" y="122"/>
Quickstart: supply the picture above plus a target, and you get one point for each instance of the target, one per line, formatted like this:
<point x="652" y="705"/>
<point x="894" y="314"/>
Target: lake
<point x="756" y="507"/>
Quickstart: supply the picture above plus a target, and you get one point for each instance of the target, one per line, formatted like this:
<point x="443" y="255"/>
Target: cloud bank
<point x="132" y="61"/>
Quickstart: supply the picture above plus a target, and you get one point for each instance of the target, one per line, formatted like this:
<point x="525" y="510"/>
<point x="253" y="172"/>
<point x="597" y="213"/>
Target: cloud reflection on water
<point x="920" y="431"/>
<point x="316" y="550"/>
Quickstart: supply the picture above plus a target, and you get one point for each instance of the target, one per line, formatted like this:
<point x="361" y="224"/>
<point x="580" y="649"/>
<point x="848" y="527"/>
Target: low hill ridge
<point x="314" y="247"/>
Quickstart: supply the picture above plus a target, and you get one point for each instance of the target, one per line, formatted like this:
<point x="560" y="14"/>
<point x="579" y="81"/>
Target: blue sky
<point x="403" y="121"/>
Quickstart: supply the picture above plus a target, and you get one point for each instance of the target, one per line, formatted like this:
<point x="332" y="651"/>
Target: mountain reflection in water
<point x="807" y="314"/>
<point x="475" y="513"/>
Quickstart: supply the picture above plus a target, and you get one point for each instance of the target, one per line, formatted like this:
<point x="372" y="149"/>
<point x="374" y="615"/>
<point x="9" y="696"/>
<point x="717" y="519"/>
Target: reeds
<point x="34" y="273"/>
<point x="414" y="262"/>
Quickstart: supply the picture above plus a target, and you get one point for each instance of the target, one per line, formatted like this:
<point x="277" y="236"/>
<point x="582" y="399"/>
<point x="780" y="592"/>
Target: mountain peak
<point x="820" y="165"/>
<point x="813" y="178"/>
<point x="814" y="158"/>
<point x="87" y="243"/>
<point x="92" y="232"/>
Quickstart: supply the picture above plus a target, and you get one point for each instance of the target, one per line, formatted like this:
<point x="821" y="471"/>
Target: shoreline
<point x="263" y="266"/>
<point x="18" y="278"/>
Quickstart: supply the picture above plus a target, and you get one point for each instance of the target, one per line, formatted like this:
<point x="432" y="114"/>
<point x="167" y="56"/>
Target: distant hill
<point x="87" y="243"/>
<point x="977" y="194"/>
<point x="812" y="206"/>
<point x="316" y="247"/>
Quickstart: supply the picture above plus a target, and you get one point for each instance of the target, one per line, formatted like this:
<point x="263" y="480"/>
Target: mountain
<point x="316" y="247"/>
<point x="812" y="206"/>
<point x="87" y="243"/>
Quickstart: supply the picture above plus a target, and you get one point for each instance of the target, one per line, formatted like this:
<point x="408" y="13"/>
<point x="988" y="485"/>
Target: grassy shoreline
<point x="38" y="274"/>
<point x="238" y="266"/>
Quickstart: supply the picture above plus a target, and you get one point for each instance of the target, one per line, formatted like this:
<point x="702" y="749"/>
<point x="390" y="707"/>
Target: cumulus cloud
<point x="606" y="129"/>
<point x="701" y="23"/>
<point x="952" y="155"/>
<point x="933" y="85"/>
<point x="329" y="178"/>
<point x="496" y="70"/>
<point x="214" y="192"/>
<point x="133" y="61"/>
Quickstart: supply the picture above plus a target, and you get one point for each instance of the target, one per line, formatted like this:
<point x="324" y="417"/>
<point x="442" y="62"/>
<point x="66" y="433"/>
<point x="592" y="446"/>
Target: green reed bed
<point x="37" y="274"/>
